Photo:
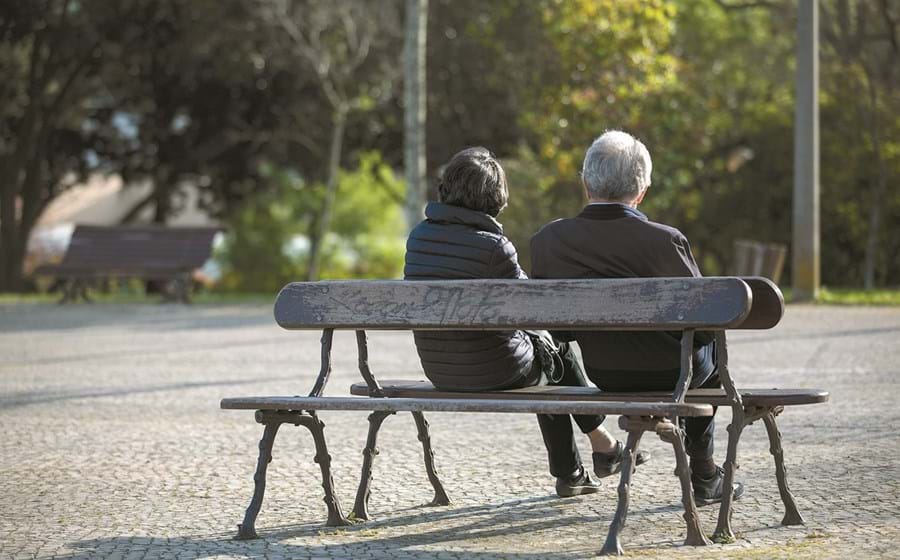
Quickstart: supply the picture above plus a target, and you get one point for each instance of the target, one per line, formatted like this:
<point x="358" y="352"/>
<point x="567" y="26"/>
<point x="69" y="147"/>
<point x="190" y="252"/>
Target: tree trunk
<point x="20" y="173"/>
<point x="7" y="232"/>
<point x="877" y="199"/>
<point x="317" y="240"/>
<point x="414" y="99"/>
<point x="14" y="233"/>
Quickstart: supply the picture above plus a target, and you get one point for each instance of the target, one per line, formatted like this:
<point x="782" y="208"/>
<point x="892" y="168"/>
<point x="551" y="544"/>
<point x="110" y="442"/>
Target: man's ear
<point x="640" y="197"/>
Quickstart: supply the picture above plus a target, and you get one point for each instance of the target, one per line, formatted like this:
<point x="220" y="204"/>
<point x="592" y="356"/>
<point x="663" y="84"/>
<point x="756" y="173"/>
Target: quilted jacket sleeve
<point x="505" y="261"/>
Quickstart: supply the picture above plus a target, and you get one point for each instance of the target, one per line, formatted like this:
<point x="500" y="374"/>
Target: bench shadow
<point x="53" y="317"/>
<point x="747" y="338"/>
<point x="17" y="400"/>
<point x="130" y="353"/>
<point x="463" y="527"/>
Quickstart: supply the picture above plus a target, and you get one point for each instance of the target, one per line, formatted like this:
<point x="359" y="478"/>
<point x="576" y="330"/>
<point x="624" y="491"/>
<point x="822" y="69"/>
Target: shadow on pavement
<point x="751" y="339"/>
<point x="50" y="317"/>
<point x="467" y="526"/>
<point x="29" y="398"/>
<point x="131" y="353"/>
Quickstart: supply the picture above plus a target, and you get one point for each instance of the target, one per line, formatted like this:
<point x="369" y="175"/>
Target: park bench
<point x="160" y="253"/>
<point x="657" y="304"/>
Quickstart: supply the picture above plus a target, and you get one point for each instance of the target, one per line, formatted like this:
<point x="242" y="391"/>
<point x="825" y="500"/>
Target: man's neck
<point x="631" y="204"/>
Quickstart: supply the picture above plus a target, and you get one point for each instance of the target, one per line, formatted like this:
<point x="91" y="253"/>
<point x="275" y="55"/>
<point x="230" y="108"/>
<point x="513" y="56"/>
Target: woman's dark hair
<point x="474" y="179"/>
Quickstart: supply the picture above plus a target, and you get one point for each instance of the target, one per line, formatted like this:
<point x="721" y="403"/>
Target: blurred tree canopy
<point x="262" y="103"/>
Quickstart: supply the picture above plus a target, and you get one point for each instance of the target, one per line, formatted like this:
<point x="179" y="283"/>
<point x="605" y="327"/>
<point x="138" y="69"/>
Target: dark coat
<point x="455" y="243"/>
<point x="617" y="241"/>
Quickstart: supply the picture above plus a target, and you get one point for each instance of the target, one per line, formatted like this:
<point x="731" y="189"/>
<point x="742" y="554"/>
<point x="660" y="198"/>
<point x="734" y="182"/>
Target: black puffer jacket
<point x="455" y="243"/>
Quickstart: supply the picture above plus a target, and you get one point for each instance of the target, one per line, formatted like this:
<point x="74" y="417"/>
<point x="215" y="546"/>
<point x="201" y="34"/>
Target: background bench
<point x="682" y="304"/>
<point x="166" y="254"/>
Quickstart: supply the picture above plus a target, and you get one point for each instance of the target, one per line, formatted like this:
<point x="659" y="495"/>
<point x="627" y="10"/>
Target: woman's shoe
<point x="608" y="464"/>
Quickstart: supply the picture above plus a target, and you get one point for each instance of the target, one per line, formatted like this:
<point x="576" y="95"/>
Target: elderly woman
<point x="461" y="239"/>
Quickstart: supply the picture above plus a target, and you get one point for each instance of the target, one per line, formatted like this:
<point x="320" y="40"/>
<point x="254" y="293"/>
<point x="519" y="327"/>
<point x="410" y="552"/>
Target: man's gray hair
<point x="616" y="167"/>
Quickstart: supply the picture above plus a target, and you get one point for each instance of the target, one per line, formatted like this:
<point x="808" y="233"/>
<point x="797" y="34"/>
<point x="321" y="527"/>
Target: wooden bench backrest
<point x="137" y="248"/>
<point x="768" y="304"/>
<point x="611" y="304"/>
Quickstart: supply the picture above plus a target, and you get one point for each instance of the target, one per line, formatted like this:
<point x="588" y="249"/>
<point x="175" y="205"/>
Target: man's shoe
<point x="608" y="464"/>
<point x="576" y="485"/>
<point x="709" y="490"/>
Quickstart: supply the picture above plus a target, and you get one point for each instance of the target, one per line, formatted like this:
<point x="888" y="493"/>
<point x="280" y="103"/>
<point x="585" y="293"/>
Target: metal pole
<point x="414" y="112"/>
<point x="806" y="155"/>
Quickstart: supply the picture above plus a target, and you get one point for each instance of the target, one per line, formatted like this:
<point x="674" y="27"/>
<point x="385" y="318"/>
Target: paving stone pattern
<point x="113" y="446"/>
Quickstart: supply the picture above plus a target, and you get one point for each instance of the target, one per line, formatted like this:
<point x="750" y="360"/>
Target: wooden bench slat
<point x="406" y="388"/>
<point x="611" y="304"/>
<point x="467" y="405"/>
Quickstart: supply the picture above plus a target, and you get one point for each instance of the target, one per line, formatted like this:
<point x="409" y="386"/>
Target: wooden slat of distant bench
<point x="420" y="389"/>
<point x="466" y="405"/>
<point x="613" y="304"/>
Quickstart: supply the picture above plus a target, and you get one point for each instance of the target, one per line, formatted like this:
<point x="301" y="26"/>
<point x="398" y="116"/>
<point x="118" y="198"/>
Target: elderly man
<point x="611" y="238"/>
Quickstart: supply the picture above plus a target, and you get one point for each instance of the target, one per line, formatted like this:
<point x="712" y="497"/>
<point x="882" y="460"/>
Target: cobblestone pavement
<point x="113" y="446"/>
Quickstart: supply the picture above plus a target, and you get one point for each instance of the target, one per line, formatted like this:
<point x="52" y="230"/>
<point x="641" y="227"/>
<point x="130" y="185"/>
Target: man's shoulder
<point x="664" y="230"/>
<point x="550" y="228"/>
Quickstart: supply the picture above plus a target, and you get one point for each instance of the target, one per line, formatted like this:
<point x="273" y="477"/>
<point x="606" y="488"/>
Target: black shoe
<point x="607" y="464"/>
<point x="576" y="485"/>
<point x="709" y="490"/>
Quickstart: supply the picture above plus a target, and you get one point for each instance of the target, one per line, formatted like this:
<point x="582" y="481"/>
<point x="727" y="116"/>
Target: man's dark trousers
<point x="698" y="431"/>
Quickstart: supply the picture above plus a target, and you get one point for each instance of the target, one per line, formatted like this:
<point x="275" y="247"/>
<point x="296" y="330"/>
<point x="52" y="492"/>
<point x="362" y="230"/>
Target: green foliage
<point x="368" y="224"/>
<point x="201" y="92"/>
<point x="266" y="244"/>
<point x="536" y="197"/>
<point x="256" y="255"/>
<point x="710" y="91"/>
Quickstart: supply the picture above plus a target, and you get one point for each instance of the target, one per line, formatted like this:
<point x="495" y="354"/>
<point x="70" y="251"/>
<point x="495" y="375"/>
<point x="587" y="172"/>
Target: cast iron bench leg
<point x="440" y="496"/>
<point x="317" y="427"/>
<point x="68" y="292"/>
<point x="613" y="547"/>
<point x="671" y="433"/>
<point x="247" y="529"/>
<point x="791" y="514"/>
<point x="273" y="419"/>
<point x="82" y="291"/>
<point x="72" y="290"/>
<point x="361" y="505"/>
<point x="724" y="532"/>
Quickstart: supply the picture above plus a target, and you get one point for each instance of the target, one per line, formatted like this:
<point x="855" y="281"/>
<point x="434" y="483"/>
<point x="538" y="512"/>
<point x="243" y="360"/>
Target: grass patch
<point x="852" y="296"/>
<point x="846" y="296"/>
<point x="132" y="294"/>
<point x="12" y="299"/>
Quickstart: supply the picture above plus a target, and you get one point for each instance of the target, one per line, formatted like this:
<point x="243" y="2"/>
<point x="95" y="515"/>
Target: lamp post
<point x="805" y="253"/>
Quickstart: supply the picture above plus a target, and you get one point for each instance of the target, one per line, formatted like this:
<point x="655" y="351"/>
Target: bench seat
<point x="762" y="398"/>
<point x="469" y="405"/>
